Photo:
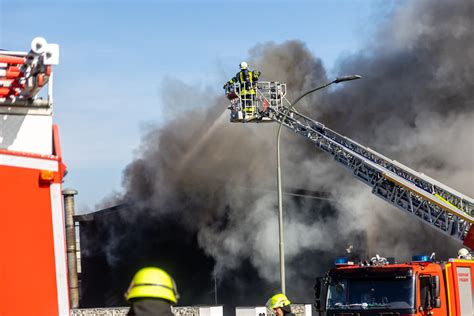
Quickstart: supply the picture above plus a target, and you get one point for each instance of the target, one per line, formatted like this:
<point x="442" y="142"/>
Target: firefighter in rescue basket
<point x="244" y="84"/>
<point x="251" y="99"/>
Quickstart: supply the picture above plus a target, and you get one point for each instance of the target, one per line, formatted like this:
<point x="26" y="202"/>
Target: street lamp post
<point x="280" y="204"/>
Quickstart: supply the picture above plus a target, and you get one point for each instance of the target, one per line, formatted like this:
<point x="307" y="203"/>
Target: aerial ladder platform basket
<point x="426" y="199"/>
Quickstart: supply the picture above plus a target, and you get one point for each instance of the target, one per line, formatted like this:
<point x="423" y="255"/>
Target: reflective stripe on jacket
<point x="246" y="79"/>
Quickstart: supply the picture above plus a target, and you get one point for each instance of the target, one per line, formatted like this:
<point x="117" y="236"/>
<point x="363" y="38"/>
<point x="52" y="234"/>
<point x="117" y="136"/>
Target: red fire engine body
<point x="33" y="269"/>
<point x="420" y="287"/>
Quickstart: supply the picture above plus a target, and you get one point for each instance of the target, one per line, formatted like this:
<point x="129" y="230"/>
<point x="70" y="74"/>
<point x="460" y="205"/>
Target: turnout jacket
<point x="149" y="307"/>
<point x="247" y="80"/>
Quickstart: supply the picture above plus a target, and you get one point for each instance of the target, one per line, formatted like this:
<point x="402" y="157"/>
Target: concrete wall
<point x="178" y="311"/>
<point x="297" y="309"/>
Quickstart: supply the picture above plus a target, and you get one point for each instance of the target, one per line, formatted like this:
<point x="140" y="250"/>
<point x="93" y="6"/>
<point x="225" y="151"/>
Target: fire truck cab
<point x="382" y="287"/>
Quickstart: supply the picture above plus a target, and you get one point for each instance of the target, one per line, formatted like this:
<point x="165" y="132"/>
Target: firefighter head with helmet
<point x="247" y="79"/>
<point x="279" y="304"/>
<point x="463" y="253"/>
<point x="151" y="292"/>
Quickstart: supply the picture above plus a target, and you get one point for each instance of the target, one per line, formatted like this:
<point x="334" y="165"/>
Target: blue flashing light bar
<point x="421" y="258"/>
<point x="341" y="261"/>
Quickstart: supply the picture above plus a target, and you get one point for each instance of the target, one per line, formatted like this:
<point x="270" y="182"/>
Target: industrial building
<point x="115" y="243"/>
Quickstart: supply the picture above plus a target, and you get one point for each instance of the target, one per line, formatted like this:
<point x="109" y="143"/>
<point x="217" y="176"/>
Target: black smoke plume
<point x="217" y="179"/>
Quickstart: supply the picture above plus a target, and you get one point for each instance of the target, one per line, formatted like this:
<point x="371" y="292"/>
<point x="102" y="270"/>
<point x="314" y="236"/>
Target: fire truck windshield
<point x="367" y="293"/>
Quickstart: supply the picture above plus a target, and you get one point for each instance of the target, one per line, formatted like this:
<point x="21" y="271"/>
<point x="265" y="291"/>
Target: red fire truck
<point x="380" y="287"/>
<point x="33" y="270"/>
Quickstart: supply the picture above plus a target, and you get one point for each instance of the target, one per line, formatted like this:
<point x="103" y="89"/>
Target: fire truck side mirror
<point x="320" y="292"/>
<point x="429" y="292"/>
<point x="317" y="289"/>
<point x="435" y="290"/>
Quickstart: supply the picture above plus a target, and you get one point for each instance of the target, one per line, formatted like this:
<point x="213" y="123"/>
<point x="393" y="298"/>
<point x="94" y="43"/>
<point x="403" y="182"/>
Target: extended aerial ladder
<point x="434" y="203"/>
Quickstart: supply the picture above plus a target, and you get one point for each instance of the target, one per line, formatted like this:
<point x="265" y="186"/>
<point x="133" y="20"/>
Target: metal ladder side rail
<point x="438" y="218"/>
<point x="431" y="209"/>
<point x="447" y="219"/>
<point x="407" y="200"/>
<point x="318" y="130"/>
<point x="346" y="160"/>
<point x="459" y="200"/>
<point x="453" y="224"/>
<point x="452" y="196"/>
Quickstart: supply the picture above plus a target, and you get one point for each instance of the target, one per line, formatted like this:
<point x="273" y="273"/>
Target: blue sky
<point x="116" y="55"/>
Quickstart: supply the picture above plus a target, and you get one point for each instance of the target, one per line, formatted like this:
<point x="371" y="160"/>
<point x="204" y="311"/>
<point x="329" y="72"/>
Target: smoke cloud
<point x="414" y="104"/>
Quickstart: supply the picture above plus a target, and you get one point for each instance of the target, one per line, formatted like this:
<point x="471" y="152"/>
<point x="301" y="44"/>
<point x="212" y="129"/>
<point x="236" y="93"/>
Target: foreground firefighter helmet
<point x="277" y="300"/>
<point x="243" y="65"/>
<point x="153" y="282"/>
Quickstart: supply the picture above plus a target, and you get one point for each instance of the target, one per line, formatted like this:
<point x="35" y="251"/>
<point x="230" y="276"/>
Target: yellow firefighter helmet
<point x="277" y="300"/>
<point x="153" y="282"/>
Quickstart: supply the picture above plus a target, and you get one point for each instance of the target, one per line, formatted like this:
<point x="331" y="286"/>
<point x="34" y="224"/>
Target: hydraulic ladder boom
<point x="434" y="203"/>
